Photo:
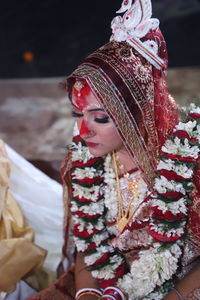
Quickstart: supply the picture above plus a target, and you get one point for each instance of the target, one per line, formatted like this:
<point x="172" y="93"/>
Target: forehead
<point x="85" y="101"/>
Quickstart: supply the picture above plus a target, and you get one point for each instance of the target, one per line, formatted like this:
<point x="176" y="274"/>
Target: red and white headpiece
<point x="134" y="25"/>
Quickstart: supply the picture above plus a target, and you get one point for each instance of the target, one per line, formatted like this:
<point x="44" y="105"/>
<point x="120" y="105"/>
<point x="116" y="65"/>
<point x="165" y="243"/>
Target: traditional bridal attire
<point x="160" y="243"/>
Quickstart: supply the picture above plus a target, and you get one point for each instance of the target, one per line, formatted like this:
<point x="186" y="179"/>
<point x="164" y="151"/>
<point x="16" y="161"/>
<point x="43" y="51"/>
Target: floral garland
<point x="93" y="183"/>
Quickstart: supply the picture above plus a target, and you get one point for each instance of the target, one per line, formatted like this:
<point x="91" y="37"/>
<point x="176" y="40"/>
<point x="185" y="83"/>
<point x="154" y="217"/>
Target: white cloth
<point x="40" y="199"/>
<point x="22" y="292"/>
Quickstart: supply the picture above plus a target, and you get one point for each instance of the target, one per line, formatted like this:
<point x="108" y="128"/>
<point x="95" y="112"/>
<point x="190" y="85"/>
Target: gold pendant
<point x="122" y="223"/>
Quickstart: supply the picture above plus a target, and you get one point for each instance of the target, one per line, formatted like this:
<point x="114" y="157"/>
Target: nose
<point x="85" y="132"/>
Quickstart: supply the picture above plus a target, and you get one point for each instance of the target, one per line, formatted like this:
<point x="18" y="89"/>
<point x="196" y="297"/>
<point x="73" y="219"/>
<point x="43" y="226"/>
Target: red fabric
<point x="62" y="289"/>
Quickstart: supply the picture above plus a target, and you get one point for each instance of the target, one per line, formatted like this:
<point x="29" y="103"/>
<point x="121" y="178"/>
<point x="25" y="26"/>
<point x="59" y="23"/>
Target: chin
<point x="97" y="153"/>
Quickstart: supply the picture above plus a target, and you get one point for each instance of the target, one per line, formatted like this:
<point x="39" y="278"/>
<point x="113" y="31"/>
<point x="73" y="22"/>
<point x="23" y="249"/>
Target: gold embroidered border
<point x="145" y="106"/>
<point x="118" y="111"/>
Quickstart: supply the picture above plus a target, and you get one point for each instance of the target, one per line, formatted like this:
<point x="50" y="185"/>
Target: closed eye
<point x="76" y="115"/>
<point x="102" y="120"/>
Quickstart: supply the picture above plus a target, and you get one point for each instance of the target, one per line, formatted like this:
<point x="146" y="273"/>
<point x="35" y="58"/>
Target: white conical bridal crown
<point x="134" y="25"/>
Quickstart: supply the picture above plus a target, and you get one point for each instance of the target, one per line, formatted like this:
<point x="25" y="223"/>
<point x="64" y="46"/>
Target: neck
<point x="125" y="159"/>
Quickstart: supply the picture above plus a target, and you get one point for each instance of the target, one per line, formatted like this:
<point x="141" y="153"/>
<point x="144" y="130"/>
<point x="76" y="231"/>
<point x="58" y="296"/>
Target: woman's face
<point x="95" y="126"/>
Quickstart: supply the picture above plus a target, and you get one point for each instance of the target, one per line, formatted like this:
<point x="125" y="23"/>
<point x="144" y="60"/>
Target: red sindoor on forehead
<point x="81" y="96"/>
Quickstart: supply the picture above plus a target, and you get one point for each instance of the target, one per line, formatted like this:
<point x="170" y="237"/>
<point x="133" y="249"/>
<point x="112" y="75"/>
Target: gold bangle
<point x="88" y="293"/>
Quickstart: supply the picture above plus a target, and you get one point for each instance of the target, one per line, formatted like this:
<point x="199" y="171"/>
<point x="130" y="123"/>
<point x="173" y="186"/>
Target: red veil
<point x="135" y="95"/>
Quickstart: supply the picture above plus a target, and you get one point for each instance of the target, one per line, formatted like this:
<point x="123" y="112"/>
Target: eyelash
<point x="76" y="115"/>
<point x="97" y="120"/>
<point x="102" y="120"/>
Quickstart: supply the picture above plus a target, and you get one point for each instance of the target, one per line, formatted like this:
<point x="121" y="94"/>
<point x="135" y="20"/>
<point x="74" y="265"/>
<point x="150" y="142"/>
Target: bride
<point x="132" y="210"/>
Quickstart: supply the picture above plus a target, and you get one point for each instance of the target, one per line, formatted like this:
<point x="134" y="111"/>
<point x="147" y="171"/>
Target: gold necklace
<point x="124" y="216"/>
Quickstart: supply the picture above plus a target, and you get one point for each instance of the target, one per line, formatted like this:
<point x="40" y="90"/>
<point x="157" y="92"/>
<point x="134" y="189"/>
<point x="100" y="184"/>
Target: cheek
<point x="110" y="136"/>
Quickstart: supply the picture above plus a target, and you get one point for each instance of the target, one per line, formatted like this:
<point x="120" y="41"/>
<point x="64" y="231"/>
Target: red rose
<point x="163" y="237"/>
<point x="181" y="134"/>
<point x="91" y="247"/>
<point x="166" y="216"/>
<point x="84" y="233"/>
<point x="91" y="162"/>
<point x="171" y="175"/>
<point x="89" y="181"/>
<point x="106" y="283"/>
<point x="83" y="199"/>
<point x="178" y="157"/>
<point x="172" y="194"/>
<point x="82" y="214"/>
<point x="195" y="116"/>
<point x="101" y="260"/>
<point x="120" y="270"/>
<point x="111" y="282"/>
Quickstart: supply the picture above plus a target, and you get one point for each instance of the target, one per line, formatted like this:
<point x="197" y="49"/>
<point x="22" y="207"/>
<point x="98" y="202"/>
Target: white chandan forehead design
<point x="134" y="25"/>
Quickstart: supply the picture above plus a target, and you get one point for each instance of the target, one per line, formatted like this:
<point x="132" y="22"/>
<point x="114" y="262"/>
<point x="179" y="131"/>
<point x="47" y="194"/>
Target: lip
<point x="91" y="145"/>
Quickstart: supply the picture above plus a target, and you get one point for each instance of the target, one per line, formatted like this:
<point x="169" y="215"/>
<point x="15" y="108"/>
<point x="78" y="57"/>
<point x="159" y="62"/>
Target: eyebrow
<point x="90" y="110"/>
<point x="97" y="109"/>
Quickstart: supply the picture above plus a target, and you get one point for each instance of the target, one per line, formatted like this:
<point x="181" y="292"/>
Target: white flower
<point x="197" y="133"/>
<point x="81" y="245"/>
<point x="177" y="148"/>
<point x="160" y="229"/>
<point x="93" y="208"/>
<point x="108" y="272"/>
<point x="194" y="109"/>
<point x="92" y="258"/>
<point x="170" y="165"/>
<point x="98" y="238"/>
<point x="88" y="193"/>
<point x="151" y="269"/>
<point x="86" y="173"/>
<point x="81" y="153"/>
<point x="163" y="185"/>
<point x="188" y="127"/>
<point x="175" y="208"/>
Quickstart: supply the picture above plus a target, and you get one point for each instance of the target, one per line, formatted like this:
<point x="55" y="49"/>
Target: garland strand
<point x="170" y="202"/>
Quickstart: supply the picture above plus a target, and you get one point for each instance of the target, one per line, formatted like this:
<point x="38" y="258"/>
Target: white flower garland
<point x="154" y="266"/>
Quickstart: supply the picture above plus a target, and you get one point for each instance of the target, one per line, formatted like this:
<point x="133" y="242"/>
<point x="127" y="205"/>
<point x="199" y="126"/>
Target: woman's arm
<point x="187" y="286"/>
<point x="84" y="278"/>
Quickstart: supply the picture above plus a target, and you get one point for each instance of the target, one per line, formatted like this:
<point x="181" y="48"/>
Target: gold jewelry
<point x="124" y="217"/>
<point x="88" y="293"/>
